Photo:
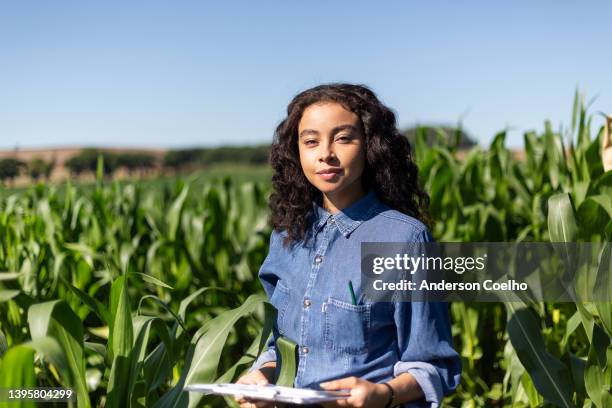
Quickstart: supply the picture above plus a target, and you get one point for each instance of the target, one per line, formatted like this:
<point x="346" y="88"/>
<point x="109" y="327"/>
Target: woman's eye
<point x="343" y="138"/>
<point x="310" y="142"/>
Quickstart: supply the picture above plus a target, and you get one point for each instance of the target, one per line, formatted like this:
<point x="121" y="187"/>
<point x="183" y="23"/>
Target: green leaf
<point x="208" y="347"/>
<point x="123" y="341"/>
<point x="56" y="319"/>
<point x="7" y="276"/>
<point x="596" y="376"/>
<point x="17" y="368"/>
<point x="164" y="305"/>
<point x="535" y="399"/>
<point x="575" y="109"/>
<point x="204" y="353"/>
<point x="594" y="213"/>
<point x="554" y="154"/>
<point x="577" y="366"/>
<point x="604" y="201"/>
<point x="3" y="344"/>
<point x="98" y="348"/>
<point x="8" y="294"/>
<point x="561" y="220"/>
<point x="175" y="212"/>
<point x="99" y="172"/>
<point x="115" y="294"/>
<point x="587" y="319"/>
<point x="247" y="359"/>
<point x="156" y="367"/>
<point x="287" y="350"/>
<point x="157" y="364"/>
<point x="550" y="377"/>
<point x="603" y="287"/>
<point x="572" y="324"/>
<point x="50" y="348"/>
<point x="187" y="301"/>
<point x="142" y="329"/>
<point x="254" y="349"/>
<point x="94" y="305"/>
<point x="153" y="280"/>
<point x="84" y="250"/>
<point x="122" y="330"/>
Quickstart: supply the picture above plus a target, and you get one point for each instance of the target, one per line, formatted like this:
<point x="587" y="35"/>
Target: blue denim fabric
<point x="377" y="341"/>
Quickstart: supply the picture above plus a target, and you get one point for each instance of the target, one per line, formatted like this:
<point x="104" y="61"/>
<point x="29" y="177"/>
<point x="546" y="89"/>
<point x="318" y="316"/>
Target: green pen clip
<point x="350" y="285"/>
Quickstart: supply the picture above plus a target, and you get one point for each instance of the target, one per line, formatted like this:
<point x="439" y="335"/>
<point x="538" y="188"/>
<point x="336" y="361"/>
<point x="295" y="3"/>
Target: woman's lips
<point x="329" y="175"/>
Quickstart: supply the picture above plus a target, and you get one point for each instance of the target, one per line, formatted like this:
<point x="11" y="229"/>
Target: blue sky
<point x="184" y="73"/>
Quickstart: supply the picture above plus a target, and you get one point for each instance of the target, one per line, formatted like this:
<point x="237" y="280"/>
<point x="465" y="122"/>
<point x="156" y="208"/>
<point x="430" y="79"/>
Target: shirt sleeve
<point x="269" y="354"/>
<point x="268" y="279"/>
<point x="426" y="346"/>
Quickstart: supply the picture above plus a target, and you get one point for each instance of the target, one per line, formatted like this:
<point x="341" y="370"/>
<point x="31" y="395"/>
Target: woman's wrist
<point x="268" y="370"/>
<point x="386" y="394"/>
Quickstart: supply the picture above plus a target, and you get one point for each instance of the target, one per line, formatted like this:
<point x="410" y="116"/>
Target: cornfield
<point x="127" y="292"/>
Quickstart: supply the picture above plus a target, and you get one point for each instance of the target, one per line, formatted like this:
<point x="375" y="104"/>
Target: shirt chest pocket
<point x="280" y="300"/>
<point x="347" y="326"/>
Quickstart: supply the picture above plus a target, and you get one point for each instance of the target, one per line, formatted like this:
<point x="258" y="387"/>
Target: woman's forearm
<point x="405" y="388"/>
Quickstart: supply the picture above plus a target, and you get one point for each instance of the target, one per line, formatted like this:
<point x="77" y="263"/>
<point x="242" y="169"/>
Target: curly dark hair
<point x="390" y="169"/>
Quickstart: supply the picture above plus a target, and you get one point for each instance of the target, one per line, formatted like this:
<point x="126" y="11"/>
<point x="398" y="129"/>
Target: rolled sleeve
<point x="425" y="347"/>
<point x="265" y="357"/>
<point x="428" y="379"/>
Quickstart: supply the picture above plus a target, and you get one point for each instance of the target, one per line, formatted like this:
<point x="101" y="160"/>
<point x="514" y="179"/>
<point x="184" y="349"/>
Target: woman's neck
<point x="335" y="203"/>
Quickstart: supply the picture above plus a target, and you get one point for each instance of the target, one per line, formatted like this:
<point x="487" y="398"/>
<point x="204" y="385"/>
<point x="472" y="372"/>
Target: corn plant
<point x="127" y="292"/>
<point x="98" y="285"/>
<point x="524" y="355"/>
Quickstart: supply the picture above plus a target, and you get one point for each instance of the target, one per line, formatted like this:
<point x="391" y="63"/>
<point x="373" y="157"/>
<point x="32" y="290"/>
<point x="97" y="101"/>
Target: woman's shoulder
<point x="390" y="216"/>
<point x="397" y="225"/>
<point x="279" y="241"/>
<point x="277" y="238"/>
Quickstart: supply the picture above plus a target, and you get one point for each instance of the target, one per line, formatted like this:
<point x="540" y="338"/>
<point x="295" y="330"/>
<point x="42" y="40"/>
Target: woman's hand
<point x="363" y="393"/>
<point x="262" y="376"/>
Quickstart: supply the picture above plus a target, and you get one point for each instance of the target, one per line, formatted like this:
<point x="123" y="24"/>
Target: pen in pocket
<point x="354" y="299"/>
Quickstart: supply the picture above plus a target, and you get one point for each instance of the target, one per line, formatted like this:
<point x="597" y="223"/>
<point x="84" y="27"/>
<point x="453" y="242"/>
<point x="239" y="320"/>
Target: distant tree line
<point x="87" y="159"/>
<point x="37" y="168"/>
<point x="177" y="159"/>
<point x="10" y="168"/>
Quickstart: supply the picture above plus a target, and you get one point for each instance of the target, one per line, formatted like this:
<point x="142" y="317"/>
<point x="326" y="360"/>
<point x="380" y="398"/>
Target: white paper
<point x="270" y="392"/>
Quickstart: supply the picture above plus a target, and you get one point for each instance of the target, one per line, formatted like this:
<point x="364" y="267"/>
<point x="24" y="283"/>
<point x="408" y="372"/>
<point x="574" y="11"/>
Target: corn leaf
<point x="17" y="368"/>
<point x="56" y="319"/>
<point x="550" y="376"/>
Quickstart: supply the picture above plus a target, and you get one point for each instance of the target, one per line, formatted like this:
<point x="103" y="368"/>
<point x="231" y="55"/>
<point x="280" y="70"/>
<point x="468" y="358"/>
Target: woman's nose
<point x="326" y="152"/>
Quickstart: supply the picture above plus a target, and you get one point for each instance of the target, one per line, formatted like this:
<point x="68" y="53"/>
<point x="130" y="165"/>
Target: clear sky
<point x="185" y="73"/>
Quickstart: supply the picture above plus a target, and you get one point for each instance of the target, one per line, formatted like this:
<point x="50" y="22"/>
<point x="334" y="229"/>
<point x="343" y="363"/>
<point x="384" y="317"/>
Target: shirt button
<point x="306" y="302"/>
<point x="305" y="350"/>
<point x="318" y="259"/>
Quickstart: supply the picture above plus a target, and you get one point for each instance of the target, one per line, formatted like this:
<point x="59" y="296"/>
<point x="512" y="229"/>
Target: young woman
<point x="343" y="175"/>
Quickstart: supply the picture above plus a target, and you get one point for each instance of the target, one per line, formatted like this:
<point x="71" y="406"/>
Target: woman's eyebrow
<point x="334" y="130"/>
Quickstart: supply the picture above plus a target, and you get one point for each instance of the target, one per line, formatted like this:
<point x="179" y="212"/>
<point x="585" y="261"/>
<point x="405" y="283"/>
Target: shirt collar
<point x="348" y="219"/>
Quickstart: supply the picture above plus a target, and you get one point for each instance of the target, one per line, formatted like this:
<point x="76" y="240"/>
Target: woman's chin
<point x="327" y="186"/>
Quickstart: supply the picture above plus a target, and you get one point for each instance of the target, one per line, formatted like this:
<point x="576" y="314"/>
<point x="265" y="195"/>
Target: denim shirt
<point x="307" y="283"/>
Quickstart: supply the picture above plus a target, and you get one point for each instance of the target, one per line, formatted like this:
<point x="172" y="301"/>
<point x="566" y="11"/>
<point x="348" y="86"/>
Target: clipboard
<point x="270" y="392"/>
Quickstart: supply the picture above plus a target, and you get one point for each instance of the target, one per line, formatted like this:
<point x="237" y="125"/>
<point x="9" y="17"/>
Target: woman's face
<point x="332" y="153"/>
